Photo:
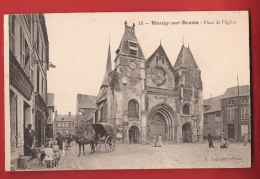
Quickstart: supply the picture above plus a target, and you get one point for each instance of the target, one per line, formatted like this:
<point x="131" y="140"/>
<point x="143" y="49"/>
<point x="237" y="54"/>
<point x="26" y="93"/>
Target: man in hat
<point x="210" y="139"/>
<point x="28" y="140"/>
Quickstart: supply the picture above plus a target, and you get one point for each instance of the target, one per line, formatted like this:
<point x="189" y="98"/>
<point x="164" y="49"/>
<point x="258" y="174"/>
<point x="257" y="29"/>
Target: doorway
<point x="134" y="135"/>
<point x="186" y="133"/>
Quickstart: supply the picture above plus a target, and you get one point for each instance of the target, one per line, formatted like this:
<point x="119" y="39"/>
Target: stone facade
<point x="28" y="67"/>
<point x="146" y="97"/>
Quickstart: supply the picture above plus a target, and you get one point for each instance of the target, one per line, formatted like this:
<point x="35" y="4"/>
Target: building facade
<point x="143" y="97"/>
<point x="65" y="124"/>
<point x="229" y="113"/>
<point x="86" y="105"/>
<point x="213" y="117"/>
<point x="28" y="66"/>
<point x="236" y="109"/>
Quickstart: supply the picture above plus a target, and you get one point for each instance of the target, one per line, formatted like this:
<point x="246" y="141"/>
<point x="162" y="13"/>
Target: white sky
<point x="79" y="46"/>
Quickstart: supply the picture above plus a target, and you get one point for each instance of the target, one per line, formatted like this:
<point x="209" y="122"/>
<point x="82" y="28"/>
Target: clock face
<point x="158" y="75"/>
<point x="132" y="65"/>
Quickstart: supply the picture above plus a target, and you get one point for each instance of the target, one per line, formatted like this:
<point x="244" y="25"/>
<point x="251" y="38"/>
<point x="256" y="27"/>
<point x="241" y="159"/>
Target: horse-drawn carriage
<point x="104" y="135"/>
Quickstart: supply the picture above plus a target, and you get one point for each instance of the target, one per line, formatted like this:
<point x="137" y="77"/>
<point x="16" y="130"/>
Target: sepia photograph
<point x="127" y="90"/>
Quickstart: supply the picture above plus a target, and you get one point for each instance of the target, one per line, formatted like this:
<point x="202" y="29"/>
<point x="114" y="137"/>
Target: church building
<point x="145" y="97"/>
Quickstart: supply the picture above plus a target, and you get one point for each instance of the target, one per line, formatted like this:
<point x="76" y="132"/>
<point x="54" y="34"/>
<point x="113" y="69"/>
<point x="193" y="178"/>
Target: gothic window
<point x="163" y="60"/>
<point x="157" y="58"/>
<point x="186" y="109"/>
<point x="133" y="108"/>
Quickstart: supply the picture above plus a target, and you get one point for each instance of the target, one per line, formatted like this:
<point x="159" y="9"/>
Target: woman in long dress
<point x="159" y="141"/>
<point x="154" y="140"/>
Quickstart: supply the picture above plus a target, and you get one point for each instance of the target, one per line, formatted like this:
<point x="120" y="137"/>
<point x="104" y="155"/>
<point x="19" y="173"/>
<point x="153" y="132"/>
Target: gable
<point x="159" y="71"/>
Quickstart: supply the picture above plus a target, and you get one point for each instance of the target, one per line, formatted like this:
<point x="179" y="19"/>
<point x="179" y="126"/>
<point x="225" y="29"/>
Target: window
<point x="133" y="108"/>
<point x="205" y="119"/>
<point x="25" y="53"/>
<point x="230" y="113"/>
<point x="133" y="47"/>
<point x="244" y="129"/>
<point x="230" y="102"/>
<point x="12" y="22"/>
<point x="163" y="60"/>
<point x="186" y="109"/>
<point x="157" y="58"/>
<point x="244" y="113"/>
<point x="217" y="119"/>
<point x="59" y="124"/>
<point x="244" y="101"/>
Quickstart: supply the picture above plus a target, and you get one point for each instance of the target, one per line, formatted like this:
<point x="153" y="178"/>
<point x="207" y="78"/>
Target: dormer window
<point x="133" y="47"/>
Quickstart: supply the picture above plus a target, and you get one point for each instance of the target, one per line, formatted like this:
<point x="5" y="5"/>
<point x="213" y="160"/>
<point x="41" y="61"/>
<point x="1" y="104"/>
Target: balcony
<point x="18" y="78"/>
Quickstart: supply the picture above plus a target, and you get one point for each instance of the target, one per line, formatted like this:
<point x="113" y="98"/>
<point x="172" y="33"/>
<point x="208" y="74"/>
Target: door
<point x="231" y="131"/>
<point x="158" y="126"/>
<point x="186" y="132"/>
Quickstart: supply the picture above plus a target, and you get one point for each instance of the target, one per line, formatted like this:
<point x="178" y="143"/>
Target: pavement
<point x="144" y="156"/>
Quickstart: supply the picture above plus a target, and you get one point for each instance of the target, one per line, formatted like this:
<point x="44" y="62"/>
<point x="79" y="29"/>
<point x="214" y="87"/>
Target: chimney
<point x="69" y="113"/>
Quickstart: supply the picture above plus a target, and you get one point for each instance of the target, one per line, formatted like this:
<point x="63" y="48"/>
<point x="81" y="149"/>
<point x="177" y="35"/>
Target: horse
<point x="81" y="141"/>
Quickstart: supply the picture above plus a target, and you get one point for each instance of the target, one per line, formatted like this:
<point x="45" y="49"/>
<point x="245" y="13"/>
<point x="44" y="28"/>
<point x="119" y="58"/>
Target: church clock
<point x="158" y="75"/>
<point x="132" y="65"/>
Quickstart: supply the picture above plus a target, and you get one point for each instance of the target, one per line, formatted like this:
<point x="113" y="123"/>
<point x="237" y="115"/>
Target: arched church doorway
<point x="158" y="126"/>
<point x="134" y="135"/>
<point x="186" y="132"/>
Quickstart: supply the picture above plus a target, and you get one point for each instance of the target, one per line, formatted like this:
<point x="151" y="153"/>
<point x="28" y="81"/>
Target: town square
<point x="132" y="92"/>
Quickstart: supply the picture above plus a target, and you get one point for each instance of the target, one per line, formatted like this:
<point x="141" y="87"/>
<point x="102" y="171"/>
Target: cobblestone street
<point x="182" y="155"/>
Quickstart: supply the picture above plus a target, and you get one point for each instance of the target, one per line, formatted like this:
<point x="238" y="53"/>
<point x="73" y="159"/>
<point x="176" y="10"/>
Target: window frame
<point x="244" y="112"/>
<point x="133" y="108"/>
<point x="231" y="114"/>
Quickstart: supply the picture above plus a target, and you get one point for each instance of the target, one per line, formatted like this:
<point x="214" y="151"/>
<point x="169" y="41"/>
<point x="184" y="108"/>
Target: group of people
<point x="53" y="152"/>
<point x="224" y="142"/>
<point x="157" y="140"/>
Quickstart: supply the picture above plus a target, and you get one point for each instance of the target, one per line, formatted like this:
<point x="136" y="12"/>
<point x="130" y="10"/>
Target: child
<point x="56" y="153"/>
<point x="48" y="156"/>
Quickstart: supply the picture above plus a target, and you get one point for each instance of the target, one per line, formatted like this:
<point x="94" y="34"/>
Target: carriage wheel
<point x="97" y="146"/>
<point x="110" y="143"/>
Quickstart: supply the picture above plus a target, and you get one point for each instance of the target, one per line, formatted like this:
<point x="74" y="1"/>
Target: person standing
<point x="60" y="144"/>
<point x="154" y="140"/>
<point x="245" y="140"/>
<point x="28" y="140"/>
<point x="210" y="139"/>
<point x="159" y="141"/>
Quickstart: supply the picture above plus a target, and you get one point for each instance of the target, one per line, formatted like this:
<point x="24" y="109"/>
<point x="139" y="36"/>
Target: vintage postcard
<point x="139" y="90"/>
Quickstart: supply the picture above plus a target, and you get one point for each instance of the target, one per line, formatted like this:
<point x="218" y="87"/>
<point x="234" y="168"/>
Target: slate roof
<point x="214" y="103"/>
<point x="50" y="99"/>
<point x="185" y="59"/>
<point x="244" y="90"/>
<point x="61" y="117"/>
<point x="86" y="101"/>
<point x="129" y="36"/>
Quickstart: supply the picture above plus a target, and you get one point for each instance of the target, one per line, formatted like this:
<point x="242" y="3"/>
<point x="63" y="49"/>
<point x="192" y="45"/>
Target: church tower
<point x="126" y="90"/>
<point x="189" y="84"/>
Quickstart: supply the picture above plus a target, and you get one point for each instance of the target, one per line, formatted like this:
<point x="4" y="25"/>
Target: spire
<point x="108" y="67"/>
<point x="103" y="89"/>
